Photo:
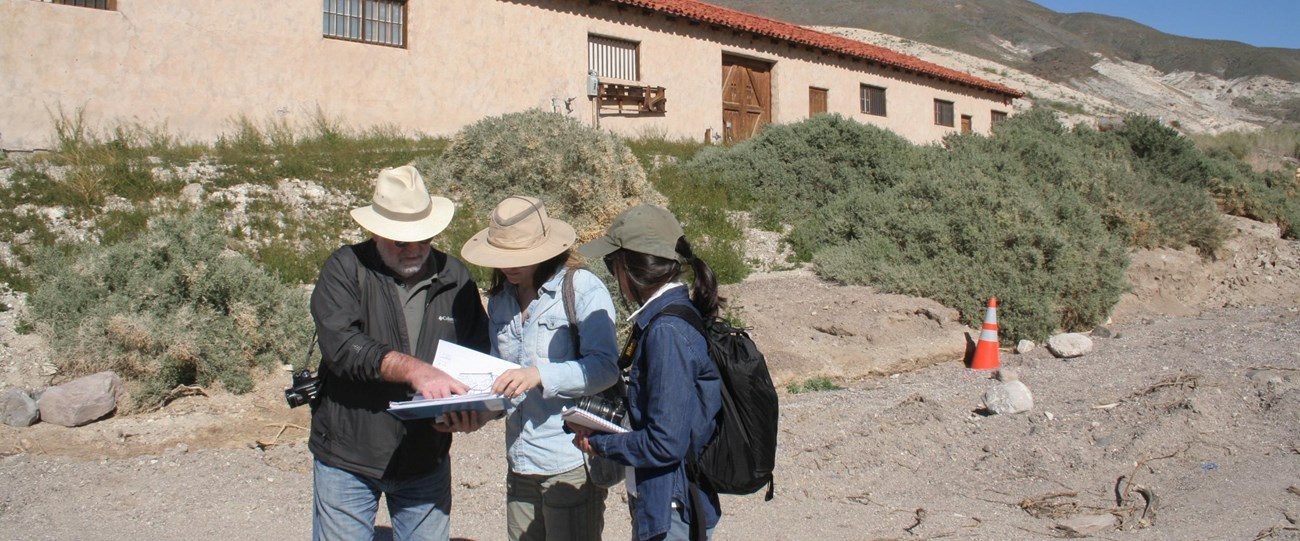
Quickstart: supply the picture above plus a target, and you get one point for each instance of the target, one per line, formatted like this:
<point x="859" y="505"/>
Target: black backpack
<point x="740" y="457"/>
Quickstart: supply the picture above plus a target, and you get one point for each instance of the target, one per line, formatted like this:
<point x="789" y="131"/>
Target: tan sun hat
<point x="403" y="210"/>
<point x="519" y="234"/>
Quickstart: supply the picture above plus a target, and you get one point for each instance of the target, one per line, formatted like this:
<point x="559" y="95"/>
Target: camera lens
<point x="605" y="409"/>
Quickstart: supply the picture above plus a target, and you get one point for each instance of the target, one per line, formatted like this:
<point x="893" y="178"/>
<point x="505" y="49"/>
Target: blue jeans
<point x="678" y="528"/>
<point x="344" y="505"/>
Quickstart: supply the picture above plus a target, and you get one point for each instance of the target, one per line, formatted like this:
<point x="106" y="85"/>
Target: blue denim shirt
<point x="536" y="443"/>
<point x="674" y="395"/>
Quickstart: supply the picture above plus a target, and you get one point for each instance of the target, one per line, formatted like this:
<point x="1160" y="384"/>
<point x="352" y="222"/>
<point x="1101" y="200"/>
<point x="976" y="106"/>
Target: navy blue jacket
<point x="673" y="401"/>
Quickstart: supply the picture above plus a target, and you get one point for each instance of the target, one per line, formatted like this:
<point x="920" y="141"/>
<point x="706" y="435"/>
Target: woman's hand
<point x="464" y="421"/>
<point x="580" y="439"/>
<point x="517" y="381"/>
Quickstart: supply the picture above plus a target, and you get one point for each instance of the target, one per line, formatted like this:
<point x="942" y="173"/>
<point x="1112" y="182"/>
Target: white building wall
<point x="192" y="67"/>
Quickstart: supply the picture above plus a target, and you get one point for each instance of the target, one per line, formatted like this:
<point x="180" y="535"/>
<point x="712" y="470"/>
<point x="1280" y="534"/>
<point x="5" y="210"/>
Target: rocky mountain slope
<point x="1086" y="66"/>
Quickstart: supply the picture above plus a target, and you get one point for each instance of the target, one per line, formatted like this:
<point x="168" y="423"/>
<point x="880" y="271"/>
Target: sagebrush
<point x="169" y="307"/>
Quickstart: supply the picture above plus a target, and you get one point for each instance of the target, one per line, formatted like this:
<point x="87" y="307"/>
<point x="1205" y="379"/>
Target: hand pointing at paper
<point x="517" y="381"/>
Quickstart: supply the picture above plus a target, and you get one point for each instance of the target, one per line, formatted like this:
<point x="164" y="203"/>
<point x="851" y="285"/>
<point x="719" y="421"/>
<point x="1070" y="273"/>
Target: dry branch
<point x="179" y="391"/>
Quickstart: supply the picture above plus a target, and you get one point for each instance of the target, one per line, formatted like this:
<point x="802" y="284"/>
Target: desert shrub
<point x="172" y="306"/>
<point x="791" y="170"/>
<point x="585" y="176"/>
<point x="1238" y="189"/>
<point x="812" y="385"/>
<point x="1017" y="216"/>
<point x="1136" y="203"/>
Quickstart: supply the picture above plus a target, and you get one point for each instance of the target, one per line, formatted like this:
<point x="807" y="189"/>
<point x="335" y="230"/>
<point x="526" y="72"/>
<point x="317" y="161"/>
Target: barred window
<point x="943" y="114"/>
<point x="873" y="100"/>
<point x="382" y="22"/>
<point x="613" y="58"/>
<point x="998" y="116"/>
<point x="110" y="5"/>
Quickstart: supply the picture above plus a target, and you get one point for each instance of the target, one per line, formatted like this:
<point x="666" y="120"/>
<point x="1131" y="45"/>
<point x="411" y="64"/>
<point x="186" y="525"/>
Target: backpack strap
<point x="571" y="308"/>
<point x="625" y="357"/>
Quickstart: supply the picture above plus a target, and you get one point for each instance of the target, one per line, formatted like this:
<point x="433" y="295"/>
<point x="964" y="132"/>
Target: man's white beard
<point x="392" y="262"/>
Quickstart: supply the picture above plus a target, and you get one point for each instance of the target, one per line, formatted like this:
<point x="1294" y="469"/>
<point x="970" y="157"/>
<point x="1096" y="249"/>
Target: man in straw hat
<point x="380" y="308"/>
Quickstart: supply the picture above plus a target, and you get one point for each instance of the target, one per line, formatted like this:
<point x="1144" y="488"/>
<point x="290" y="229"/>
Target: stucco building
<point x="675" y="67"/>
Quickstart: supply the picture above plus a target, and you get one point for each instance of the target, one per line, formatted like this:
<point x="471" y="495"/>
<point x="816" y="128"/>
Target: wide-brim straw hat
<point x="402" y="209"/>
<point x="519" y="234"/>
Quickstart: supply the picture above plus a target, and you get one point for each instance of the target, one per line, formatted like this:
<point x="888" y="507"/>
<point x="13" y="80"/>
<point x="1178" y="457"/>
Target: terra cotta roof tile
<point x="739" y="20"/>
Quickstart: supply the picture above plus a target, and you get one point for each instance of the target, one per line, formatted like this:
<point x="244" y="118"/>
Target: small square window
<point x="998" y="116"/>
<point x="943" y="113"/>
<point x="873" y="100"/>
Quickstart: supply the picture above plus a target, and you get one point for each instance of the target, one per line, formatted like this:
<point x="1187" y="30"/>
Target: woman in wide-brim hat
<point x="548" y="492"/>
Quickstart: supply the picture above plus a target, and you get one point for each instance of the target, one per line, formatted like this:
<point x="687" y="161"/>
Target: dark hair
<point x="647" y="273"/>
<point x="545" y="270"/>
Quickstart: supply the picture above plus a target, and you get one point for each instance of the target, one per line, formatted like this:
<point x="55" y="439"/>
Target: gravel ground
<point x="1200" y="411"/>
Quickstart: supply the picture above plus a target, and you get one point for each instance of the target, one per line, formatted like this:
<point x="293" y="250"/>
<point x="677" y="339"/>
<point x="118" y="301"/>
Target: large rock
<point x="1069" y="345"/>
<point x="18" y="408"/>
<point x="1009" y="397"/>
<point x="80" y="401"/>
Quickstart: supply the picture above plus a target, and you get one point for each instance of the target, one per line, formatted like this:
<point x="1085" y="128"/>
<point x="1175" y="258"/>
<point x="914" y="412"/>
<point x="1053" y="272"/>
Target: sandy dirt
<point x="1194" y="401"/>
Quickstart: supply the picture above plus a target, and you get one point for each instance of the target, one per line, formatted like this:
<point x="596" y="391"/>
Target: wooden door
<point x="816" y="100"/>
<point x="965" y="124"/>
<point x="746" y="98"/>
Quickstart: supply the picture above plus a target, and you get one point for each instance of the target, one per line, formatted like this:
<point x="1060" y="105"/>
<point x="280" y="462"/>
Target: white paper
<point x="477" y="370"/>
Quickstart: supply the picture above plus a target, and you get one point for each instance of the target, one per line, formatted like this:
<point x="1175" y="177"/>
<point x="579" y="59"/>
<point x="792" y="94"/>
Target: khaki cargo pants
<point x="561" y="506"/>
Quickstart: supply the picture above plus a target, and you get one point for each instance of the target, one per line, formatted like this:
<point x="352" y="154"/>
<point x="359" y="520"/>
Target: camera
<point x="304" y="389"/>
<point x="610" y="410"/>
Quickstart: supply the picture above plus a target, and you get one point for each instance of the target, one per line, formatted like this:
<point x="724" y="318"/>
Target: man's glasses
<point x="609" y="263"/>
<point x="401" y="245"/>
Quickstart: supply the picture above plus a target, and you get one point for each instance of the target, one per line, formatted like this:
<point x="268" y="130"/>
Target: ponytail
<point x="704" y="288"/>
<point x="646" y="273"/>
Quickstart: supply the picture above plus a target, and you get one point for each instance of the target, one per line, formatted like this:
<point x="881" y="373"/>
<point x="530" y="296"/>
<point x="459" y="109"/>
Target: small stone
<point x="1069" y="345"/>
<point x="17" y="408"/>
<point x="1025" y="346"/>
<point x="1085" y="525"/>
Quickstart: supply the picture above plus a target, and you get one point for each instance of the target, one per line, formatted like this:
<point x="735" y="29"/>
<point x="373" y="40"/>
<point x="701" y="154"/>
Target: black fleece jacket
<point x="359" y="319"/>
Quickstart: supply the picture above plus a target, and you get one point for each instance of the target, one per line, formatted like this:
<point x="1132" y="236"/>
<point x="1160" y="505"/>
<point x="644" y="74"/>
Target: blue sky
<point x="1263" y="23"/>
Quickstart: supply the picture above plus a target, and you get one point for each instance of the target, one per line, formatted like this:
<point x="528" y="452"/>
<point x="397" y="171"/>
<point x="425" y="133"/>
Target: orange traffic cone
<point x="986" y="352"/>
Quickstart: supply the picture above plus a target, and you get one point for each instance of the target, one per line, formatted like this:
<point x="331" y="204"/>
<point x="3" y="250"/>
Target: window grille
<point x="382" y="22"/>
<point x="613" y="58"/>
<point x="943" y="114"/>
<point x="96" y="4"/>
<point x="873" y="100"/>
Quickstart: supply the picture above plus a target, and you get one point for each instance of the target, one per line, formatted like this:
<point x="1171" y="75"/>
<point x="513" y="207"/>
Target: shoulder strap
<point x="570" y="308"/>
<point x="361" y="288"/>
<point x="681" y="311"/>
<point x="678" y="310"/>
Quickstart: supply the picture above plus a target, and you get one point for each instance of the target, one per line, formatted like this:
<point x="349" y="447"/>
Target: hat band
<point x="407" y="217"/>
<point x="501" y="226"/>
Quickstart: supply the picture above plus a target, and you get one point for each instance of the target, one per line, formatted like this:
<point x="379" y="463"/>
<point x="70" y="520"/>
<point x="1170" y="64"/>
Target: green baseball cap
<point x="644" y="228"/>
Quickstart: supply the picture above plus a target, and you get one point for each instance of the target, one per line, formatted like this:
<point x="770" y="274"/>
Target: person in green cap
<point x="673" y="389"/>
